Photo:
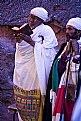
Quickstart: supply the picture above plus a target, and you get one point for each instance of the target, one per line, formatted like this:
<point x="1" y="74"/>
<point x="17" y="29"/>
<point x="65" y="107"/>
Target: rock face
<point x="15" y="12"/>
<point x="7" y="50"/>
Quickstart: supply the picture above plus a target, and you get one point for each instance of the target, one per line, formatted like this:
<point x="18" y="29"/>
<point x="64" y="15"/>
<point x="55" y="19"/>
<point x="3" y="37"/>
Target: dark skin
<point x="73" y="36"/>
<point x="33" y="23"/>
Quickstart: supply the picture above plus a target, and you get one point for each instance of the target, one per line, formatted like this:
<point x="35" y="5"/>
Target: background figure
<point x="33" y="60"/>
<point x="67" y="72"/>
<point x="76" y="114"/>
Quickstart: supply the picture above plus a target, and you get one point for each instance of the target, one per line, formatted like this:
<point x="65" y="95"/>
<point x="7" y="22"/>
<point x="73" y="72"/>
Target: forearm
<point x="27" y="38"/>
<point x="31" y="42"/>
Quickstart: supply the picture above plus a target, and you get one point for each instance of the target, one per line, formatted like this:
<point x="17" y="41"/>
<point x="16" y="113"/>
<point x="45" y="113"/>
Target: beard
<point x="73" y="36"/>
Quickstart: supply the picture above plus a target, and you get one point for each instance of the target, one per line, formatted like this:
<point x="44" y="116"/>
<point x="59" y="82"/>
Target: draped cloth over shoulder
<point x="31" y="73"/>
<point x="65" y="96"/>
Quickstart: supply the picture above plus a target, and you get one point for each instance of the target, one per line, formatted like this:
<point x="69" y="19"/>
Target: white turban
<point x="40" y="12"/>
<point x="75" y="22"/>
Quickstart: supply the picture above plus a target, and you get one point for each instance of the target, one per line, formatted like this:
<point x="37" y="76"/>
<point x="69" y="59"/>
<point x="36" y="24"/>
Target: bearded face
<point x="71" y="33"/>
<point x="73" y="36"/>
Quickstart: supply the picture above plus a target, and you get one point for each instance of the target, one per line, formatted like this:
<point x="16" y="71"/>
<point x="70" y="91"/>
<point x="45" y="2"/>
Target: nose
<point x="30" y="19"/>
<point x="67" y="31"/>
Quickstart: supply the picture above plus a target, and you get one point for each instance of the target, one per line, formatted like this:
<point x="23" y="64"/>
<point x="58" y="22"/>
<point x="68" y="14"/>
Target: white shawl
<point x="32" y="65"/>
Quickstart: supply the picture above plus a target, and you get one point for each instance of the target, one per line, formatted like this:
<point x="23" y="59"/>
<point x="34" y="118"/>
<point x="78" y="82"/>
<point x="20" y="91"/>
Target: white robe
<point x="32" y="65"/>
<point x="76" y="114"/>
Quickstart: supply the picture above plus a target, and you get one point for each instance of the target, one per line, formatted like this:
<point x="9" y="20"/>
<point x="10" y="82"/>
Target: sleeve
<point x="50" y="39"/>
<point x="76" y="59"/>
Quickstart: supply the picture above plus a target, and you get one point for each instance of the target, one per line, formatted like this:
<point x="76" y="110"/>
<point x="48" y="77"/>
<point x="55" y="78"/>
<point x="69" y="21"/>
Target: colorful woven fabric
<point x="29" y="104"/>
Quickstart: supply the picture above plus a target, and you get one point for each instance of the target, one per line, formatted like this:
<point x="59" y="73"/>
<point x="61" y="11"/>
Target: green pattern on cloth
<point x="55" y="76"/>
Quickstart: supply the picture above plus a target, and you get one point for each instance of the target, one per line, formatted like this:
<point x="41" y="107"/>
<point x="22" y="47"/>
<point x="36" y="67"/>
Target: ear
<point x="79" y="33"/>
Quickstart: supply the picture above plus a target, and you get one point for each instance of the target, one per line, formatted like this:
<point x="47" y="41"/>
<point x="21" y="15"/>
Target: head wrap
<point x="75" y="22"/>
<point x="40" y="12"/>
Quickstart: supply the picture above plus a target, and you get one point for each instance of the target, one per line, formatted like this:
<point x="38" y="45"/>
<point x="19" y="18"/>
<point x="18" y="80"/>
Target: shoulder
<point x="47" y="29"/>
<point x="61" y="50"/>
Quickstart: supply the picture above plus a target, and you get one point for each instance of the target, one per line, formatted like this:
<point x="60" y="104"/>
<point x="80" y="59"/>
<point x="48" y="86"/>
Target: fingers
<point x="17" y="37"/>
<point x="72" y="46"/>
<point x="75" y="47"/>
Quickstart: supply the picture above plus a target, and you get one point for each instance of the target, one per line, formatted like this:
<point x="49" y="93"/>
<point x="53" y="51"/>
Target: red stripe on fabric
<point x="68" y="108"/>
<point x="59" y="100"/>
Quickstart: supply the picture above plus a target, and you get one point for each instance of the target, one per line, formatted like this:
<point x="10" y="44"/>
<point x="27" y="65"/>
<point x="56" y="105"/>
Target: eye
<point x="69" y="28"/>
<point x="32" y="17"/>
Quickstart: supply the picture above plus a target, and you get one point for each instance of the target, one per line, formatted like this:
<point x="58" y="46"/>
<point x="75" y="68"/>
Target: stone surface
<point x="15" y="12"/>
<point x="7" y="50"/>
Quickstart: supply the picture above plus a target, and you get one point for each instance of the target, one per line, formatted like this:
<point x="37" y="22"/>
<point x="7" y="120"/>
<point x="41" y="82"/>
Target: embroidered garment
<point x="64" y="97"/>
<point x="33" y="64"/>
<point x="29" y="104"/>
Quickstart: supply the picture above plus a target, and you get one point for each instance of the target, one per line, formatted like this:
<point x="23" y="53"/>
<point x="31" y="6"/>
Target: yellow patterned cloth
<point x="29" y="104"/>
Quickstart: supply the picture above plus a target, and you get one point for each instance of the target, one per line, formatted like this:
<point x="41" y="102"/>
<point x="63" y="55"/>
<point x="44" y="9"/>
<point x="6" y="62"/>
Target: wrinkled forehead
<point x="33" y="16"/>
<point x="70" y="27"/>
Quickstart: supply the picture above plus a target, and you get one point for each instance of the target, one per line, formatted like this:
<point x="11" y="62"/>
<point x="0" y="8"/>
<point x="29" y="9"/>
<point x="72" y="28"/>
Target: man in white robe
<point x="33" y="60"/>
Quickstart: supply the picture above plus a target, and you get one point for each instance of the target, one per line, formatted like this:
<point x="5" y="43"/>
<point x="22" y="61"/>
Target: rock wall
<point x="7" y="57"/>
<point x="7" y="50"/>
<point x="59" y="32"/>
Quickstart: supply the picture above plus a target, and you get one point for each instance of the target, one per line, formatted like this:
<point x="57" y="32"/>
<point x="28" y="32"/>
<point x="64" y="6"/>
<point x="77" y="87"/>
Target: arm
<point x="63" y="60"/>
<point x="26" y="38"/>
<point x="75" y="47"/>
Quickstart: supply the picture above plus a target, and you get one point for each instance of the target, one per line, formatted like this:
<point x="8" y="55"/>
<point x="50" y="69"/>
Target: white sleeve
<point x="50" y="39"/>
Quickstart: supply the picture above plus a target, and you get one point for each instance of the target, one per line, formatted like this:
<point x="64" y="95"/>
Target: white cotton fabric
<point x="50" y="40"/>
<point x="32" y="65"/>
<point x="76" y="114"/>
<point x="79" y="41"/>
<point x="75" y="22"/>
<point x="25" y="73"/>
<point x="40" y="12"/>
<point x="43" y="61"/>
<point x="44" y="53"/>
<point x="19" y="117"/>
